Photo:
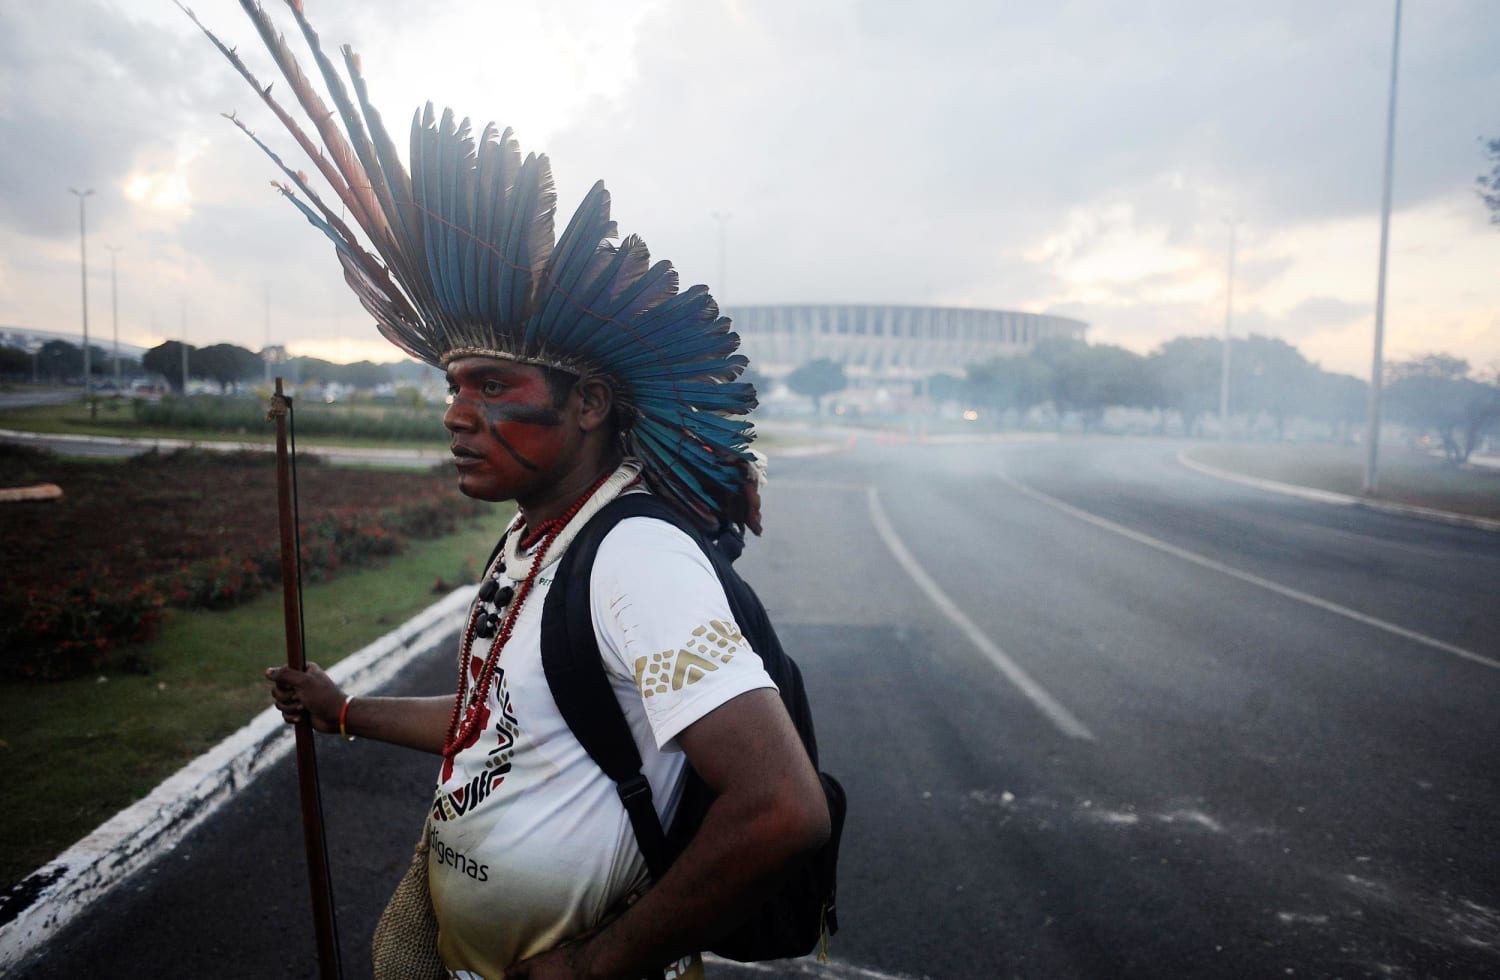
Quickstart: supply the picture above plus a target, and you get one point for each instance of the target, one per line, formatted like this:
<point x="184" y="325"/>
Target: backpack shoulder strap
<point x="580" y="687"/>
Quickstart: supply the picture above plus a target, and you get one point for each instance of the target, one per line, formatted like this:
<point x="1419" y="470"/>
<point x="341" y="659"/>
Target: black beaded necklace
<point x="493" y="598"/>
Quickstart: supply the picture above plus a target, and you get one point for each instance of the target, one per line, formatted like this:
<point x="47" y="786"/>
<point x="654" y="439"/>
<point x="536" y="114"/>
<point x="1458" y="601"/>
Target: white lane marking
<point x="804" y="968"/>
<point x="1044" y="702"/>
<point x="1120" y="817"/>
<point x="1192" y="816"/>
<point x="1256" y="580"/>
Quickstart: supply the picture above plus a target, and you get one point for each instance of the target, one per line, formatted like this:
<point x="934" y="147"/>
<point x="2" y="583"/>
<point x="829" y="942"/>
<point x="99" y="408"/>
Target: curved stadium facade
<point x="889" y="345"/>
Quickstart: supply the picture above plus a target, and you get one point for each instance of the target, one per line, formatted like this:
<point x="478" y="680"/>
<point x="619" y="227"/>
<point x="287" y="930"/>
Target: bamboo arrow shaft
<point x="329" y="967"/>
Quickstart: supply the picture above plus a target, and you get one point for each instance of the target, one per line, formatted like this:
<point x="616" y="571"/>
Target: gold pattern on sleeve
<point x="709" y="647"/>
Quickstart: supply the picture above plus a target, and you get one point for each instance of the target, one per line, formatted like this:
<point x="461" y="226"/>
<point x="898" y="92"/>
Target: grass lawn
<point x="117" y="420"/>
<point x="1404" y="476"/>
<point x="76" y="752"/>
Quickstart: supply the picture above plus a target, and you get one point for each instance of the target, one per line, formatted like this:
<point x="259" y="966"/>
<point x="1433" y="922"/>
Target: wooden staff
<point x="329" y="967"/>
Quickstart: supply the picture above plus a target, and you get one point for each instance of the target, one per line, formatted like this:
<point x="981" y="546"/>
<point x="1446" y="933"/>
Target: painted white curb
<point x="852" y="437"/>
<point x="808" y="966"/>
<point x="1340" y="499"/>
<point x="807" y="449"/>
<point x="221" y="446"/>
<point x="135" y="836"/>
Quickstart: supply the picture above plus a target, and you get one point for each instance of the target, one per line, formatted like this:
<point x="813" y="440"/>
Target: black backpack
<point x="802" y="910"/>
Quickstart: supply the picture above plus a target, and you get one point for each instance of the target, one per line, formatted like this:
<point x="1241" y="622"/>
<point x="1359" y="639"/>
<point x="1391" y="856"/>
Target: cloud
<point x="1076" y="157"/>
<point x="1339" y="330"/>
<point x="1322" y="311"/>
<point x="91" y="94"/>
<point x="871" y="152"/>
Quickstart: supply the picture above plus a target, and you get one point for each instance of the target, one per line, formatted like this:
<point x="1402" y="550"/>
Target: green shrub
<point x="68" y="630"/>
<point x="217" y="583"/>
<point x="222" y="415"/>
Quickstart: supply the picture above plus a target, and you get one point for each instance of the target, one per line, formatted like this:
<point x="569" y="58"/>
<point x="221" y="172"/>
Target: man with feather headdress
<point x="577" y="373"/>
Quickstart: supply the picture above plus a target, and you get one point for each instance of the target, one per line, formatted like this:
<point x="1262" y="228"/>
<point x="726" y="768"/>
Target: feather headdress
<point x="461" y="260"/>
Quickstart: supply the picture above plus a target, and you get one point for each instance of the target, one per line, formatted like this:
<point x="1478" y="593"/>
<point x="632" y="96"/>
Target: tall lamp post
<point x="265" y="354"/>
<point x="114" y="305"/>
<point x="1372" y="423"/>
<point x="1228" y="317"/>
<point x="722" y="285"/>
<point x="83" y="265"/>
<point x="183" y="313"/>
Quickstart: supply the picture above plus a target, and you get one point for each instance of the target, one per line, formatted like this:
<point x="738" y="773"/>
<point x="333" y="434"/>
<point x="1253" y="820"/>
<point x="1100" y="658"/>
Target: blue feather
<point x="519" y="262"/>
<point x="503" y="200"/>
<point x="655" y="287"/>
<point x="467" y="220"/>
<point x="571" y="259"/>
<point x="425" y="194"/>
<point x="465" y="255"/>
<point x="447" y="178"/>
<point x="406" y="229"/>
<point x="487" y="187"/>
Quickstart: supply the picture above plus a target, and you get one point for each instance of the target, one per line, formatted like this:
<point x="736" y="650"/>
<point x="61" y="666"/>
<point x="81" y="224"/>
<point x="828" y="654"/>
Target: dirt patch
<point x="93" y="570"/>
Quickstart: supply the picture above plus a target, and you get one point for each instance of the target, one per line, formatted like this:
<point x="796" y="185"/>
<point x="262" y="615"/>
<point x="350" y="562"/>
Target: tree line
<point x="226" y="365"/>
<point x="229" y="366"/>
<point x="57" y="361"/>
<point x="1437" y="394"/>
<point x="1183" y="376"/>
<point x="1270" y="381"/>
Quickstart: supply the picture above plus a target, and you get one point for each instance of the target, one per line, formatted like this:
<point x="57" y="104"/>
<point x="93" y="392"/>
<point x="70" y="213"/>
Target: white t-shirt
<point x="530" y="844"/>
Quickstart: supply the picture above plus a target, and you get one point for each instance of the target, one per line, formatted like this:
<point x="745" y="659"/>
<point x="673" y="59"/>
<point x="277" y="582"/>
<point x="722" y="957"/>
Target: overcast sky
<point x="1077" y="157"/>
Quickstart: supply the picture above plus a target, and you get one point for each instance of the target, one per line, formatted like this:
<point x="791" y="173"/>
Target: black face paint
<point x="494" y="414"/>
<point x="517" y="419"/>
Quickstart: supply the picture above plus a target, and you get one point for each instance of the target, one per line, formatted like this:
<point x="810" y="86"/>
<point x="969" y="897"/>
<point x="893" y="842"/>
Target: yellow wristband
<point x="344" y="720"/>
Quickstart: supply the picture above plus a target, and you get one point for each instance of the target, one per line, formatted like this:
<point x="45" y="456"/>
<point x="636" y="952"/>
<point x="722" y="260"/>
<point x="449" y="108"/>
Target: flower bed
<point x="96" y="571"/>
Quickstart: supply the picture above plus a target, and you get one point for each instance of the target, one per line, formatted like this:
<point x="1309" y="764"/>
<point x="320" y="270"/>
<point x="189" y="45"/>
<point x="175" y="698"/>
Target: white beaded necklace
<point x="507" y="604"/>
<point x="518" y="567"/>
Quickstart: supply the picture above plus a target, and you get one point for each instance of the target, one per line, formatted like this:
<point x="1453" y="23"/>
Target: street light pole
<point x="1372" y="424"/>
<point x="722" y="286"/>
<point x="114" y="306"/>
<point x="183" y="314"/>
<point x="1228" y="316"/>
<point x="83" y="267"/>
<point x="265" y="354"/>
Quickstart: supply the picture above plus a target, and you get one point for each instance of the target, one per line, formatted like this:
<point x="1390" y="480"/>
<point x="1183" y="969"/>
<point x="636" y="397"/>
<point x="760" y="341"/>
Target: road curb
<point x="880" y="437"/>
<point x="36" y="908"/>
<point x="804" y="451"/>
<point x="168" y="444"/>
<point x="1339" y="499"/>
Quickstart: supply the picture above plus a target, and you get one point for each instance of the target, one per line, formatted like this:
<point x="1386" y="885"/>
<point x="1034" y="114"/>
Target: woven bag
<point x="405" y="945"/>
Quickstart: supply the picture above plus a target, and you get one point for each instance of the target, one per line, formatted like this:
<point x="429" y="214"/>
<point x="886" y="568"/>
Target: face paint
<point x="497" y="416"/>
<point x="509" y="436"/>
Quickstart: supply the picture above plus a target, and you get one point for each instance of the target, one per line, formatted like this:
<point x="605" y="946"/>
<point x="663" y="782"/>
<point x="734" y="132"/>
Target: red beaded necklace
<point x="467" y="703"/>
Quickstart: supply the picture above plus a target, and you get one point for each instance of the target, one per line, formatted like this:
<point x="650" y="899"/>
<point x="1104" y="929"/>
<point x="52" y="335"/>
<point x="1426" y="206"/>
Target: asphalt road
<point x="35" y="396"/>
<point x="1098" y="716"/>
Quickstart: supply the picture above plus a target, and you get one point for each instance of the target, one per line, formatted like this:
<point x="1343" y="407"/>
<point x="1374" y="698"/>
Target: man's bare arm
<point x="417" y="723"/>
<point x="770" y="808"/>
